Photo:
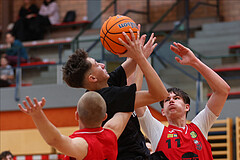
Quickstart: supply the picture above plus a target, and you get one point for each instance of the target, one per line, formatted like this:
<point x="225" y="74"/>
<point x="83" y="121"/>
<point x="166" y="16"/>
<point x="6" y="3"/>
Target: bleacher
<point x="59" y="36"/>
<point x="70" y="24"/>
<point x="237" y="138"/>
<point x="220" y="137"/>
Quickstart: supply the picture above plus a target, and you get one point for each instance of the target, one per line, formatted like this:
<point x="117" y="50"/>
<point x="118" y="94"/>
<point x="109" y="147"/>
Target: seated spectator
<point x="6" y="155"/>
<point x="15" y="48"/>
<point x="49" y="10"/>
<point x="28" y="27"/>
<point x="6" y="73"/>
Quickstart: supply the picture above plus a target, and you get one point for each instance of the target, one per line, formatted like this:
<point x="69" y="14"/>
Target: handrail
<point x="162" y="17"/>
<point x="186" y="17"/>
<point x="75" y="40"/>
<point x="125" y="13"/>
<point x="176" y="28"/>
<point x="180" y="23"/>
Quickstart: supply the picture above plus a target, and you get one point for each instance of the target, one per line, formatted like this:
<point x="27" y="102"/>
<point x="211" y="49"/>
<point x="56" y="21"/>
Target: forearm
<point x="47" y="130"/>
<point x="118" y="122"/>
<point x="219" y="87"/>
<point x="138" y="78"/>
<point x="155" y="85"/>
<point x="129" y="66"/>
<point x="216" y="83"/>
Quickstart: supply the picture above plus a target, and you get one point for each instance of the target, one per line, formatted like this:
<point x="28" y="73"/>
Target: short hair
<point x="180" y="93"/>
<point x="47" y="3"/>
<point x="91" y="109"/>
<point x="75" y="68"/>
<point x="4" y="154"/>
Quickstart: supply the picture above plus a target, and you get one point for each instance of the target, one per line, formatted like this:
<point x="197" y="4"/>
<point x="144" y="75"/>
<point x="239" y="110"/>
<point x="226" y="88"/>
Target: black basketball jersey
<point x="121" y="98"/>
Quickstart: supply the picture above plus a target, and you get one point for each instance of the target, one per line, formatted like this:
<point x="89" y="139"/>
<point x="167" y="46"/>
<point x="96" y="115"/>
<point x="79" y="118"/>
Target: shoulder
<point x="81" y="145"/>
<point x="17" y="42"/>
<point x="9" y="67"/>
<point x="34" y="6"/>
<point x="53" y="4"/>
<point x="110" y="133"/>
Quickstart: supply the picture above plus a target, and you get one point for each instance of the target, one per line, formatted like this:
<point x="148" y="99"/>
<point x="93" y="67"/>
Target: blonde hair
<point x="91" y="109"/>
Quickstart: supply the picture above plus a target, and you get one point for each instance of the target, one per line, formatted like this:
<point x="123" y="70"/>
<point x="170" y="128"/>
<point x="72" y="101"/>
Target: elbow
<point x="227" y="90"/>
<point x="54" y="142"/>
<point x="162" y="96"/>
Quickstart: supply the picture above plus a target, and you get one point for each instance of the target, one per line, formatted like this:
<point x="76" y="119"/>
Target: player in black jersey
<point x="81" y="71"/>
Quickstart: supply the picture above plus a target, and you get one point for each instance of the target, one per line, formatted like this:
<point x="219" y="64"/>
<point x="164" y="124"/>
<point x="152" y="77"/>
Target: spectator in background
<point x="6" y="73"/>
<point x="49" y="10"/>
<point x="6" y="155"/>
<point x="15" y="48"/>
<point x="28" y="27"/>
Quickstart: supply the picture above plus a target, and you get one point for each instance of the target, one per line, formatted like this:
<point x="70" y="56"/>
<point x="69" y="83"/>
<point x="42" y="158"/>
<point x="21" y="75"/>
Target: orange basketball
<point x="112" y="30"/>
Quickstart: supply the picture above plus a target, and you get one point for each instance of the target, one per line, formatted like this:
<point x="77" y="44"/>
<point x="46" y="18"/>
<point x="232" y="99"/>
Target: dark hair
<point x="180" y="93"/>
<point x="10" y="32"/>
<point x="75" y="68"/>
<point x="4" y="154"/>
<point x="47" y="3"/>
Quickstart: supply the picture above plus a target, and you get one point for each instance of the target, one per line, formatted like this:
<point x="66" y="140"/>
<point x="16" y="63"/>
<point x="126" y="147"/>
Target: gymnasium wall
<point x="1" y="18"/>
<point x="229" y="10"/>
<point x="64" y="5"/>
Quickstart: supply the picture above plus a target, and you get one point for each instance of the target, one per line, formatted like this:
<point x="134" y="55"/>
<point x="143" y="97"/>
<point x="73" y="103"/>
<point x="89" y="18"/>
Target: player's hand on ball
<point x="134" y="46"/>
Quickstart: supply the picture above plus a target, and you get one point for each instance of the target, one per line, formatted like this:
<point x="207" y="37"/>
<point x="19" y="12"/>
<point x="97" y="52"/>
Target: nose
<point x="171" y="100"/>
<point x="102" y="65"/>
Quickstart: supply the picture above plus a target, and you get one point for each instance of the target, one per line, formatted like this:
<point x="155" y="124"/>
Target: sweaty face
<point x="98" y="70"/>
<point x="174" y="106"/>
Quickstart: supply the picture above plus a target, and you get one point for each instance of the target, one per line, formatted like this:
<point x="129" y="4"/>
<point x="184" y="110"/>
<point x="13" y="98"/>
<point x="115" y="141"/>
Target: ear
<point x="92" y="79"/>
<point x="76" y="116"/>
<point x="187" y="107"/>
<point x="105" y="117"/>
<point x="163" y="113"/>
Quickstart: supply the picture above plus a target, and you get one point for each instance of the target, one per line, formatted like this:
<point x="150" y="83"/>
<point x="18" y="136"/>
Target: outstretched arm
<point x="156" y="90"/>
<point x="77" y="147"/>
<point x="137" y="78"/>
<point x="219" y="87"/>
<point x="130" y="65"/>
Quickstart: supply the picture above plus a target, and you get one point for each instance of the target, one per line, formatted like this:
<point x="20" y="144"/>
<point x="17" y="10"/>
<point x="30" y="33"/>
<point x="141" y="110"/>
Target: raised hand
<point x="134" y="47"/>
<point x="30" y="107"/>
<point x="188" y="57"/>
<point x="149" y="46"/>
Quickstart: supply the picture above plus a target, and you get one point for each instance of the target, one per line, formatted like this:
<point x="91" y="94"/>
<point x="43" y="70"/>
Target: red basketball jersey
<point x="102" y="143"/>
<point x="184" y="144"/>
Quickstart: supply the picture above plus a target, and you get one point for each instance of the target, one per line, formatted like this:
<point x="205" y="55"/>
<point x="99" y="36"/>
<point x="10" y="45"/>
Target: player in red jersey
<point x="180" y="140"/>
<point x="91" y="117"/>
<point x="91" y="141"/>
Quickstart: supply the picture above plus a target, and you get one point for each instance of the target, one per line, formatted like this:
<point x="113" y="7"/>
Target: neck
<point x="178" y="122"/>
<point x="96" y="86"/>
<point x="82" y="126"/>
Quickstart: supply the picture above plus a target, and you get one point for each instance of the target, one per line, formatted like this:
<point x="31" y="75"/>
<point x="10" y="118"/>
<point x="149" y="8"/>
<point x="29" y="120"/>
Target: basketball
<point x="112" y="30"/>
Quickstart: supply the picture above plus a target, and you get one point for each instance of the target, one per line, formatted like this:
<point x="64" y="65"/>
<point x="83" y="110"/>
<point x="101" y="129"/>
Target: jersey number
<point x="170" y="144"/>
